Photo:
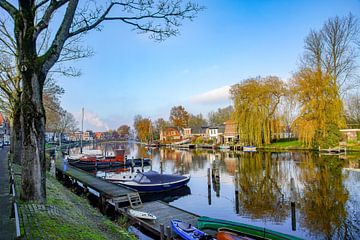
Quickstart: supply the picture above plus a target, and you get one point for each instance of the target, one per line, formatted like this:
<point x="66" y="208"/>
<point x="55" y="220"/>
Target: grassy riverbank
<point x="285" y="145"/>
<point x="64" y="216"/>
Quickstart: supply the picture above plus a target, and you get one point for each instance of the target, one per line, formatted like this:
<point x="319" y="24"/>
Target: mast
<point x="82" y="131"/>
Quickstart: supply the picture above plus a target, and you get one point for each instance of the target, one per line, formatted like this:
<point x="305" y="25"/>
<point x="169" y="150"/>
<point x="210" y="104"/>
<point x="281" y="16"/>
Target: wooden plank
<point x="109" y="190"/>
<point x="164" y="213"/>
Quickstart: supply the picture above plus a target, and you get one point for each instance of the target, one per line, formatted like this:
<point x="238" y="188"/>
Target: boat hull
<point x="156" y="187"/>
<point x="252" y="231"/>
<point x="190" y="233"/>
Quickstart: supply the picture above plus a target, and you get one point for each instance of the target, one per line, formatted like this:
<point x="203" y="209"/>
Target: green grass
<point x="293" y="144"/>
<point x="66" y="216"/>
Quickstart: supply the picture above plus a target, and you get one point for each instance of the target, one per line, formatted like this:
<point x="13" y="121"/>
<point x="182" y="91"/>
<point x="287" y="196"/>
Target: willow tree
<point x="321" y="111"/>
<point x="256" y="102"/>
<point x="32" y="18"/>
<point x="328" y="71"/>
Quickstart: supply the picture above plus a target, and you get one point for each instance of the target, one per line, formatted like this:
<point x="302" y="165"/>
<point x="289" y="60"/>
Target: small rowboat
<point x="142" y="215"/>
<point x="187" y="231"/>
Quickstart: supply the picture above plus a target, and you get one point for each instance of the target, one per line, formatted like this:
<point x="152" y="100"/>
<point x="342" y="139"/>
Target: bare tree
<point x="352" y="110"/>
<point x="333" y="50"/>
<point x="32" y="18"/>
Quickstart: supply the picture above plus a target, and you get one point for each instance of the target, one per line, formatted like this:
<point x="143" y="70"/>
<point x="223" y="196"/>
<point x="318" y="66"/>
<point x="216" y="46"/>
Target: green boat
<point x="251" y="231"/>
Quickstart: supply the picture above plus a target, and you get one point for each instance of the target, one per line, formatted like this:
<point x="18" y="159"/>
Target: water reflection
<point x="255" y="188"/>
<point x="324" y="196"/>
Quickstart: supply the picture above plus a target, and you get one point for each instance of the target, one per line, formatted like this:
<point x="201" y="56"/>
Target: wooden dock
<point x="113" y="194"/>
<point x="106" y="191"/>
<point x="164" y="213"/>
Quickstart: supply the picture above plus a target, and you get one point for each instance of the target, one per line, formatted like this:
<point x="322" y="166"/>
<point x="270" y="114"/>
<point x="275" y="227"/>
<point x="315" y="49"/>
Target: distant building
<point x="86" y="136"/>
<point x="4" y="130"/>
<point x="350" y="134"/>
<point x="199" y="131"/>
<point x="230" y="132"/>
<point x="170" y="134"/>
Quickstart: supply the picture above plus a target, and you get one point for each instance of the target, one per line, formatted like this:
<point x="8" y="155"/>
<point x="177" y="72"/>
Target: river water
<point x="326" y="188"/>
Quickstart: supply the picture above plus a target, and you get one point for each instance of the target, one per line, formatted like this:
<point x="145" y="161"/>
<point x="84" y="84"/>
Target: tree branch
<point x="44" y="22"/>
<point x="53" y="53"/>
<point x="8" y="7"/>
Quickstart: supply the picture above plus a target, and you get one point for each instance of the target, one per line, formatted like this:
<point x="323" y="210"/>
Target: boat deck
<point x="164" y="214"/>
<point x="106" y="189"/>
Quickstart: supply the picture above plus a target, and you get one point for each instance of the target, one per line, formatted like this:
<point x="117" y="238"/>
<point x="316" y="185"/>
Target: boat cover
<point x="155" y="178"/>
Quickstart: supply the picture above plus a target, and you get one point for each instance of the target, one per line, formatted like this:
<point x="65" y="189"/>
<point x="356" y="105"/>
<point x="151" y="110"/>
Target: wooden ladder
<point x="134" y="200"/>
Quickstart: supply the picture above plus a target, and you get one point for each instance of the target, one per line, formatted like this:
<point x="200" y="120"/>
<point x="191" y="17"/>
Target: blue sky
<point x="228" y="42"/>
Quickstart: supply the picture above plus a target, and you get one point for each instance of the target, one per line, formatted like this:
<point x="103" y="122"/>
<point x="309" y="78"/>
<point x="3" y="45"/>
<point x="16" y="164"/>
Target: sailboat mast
<point x="82" y="131"/>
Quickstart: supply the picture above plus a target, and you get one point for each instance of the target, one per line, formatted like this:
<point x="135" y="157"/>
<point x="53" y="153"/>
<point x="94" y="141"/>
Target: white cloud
<point x="91" y="121"/>
<point x="218" y="95"/>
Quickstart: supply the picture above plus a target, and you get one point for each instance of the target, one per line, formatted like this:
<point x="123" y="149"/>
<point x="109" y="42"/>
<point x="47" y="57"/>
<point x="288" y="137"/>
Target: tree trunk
<point x="16" y="134"/>
<point x="33" y="132"/>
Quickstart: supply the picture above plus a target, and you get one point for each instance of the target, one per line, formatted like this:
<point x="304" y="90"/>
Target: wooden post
<point x="161" y="167"/>
<point x="142" y="164"/>
<point x="162" y="236"/>
<point x="209" y="186"/>
<point x="293" y="200"/>
<point x="237" y="191"/>
<point x="168" y="232"/>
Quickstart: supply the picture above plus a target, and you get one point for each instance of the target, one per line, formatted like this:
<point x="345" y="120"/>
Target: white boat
<point x="249" y="149"/>
<point x="142" y="215"/>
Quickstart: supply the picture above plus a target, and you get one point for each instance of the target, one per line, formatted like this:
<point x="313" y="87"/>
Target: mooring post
<point x="236" y="191"/>
<point x="209" y="186"/>
<point x="142" y="164"/>
<point x="293" y="200"/>
<point x="161" y="166"/>
<point x="162" y="237"/>
<point x="168" y="232"/>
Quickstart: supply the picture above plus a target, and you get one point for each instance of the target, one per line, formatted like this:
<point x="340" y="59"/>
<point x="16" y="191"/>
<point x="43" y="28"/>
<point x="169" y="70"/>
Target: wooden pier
<point x="113" y="194"/>
<point x="164" y="214"/>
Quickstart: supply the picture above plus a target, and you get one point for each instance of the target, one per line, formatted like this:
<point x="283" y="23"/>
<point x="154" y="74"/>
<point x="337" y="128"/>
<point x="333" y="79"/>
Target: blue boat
<point x="187" y="231"/>
<point x="155" y="182"/>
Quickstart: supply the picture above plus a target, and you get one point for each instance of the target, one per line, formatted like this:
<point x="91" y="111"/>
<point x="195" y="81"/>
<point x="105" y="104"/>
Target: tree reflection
<point x="324" y="196"/>
<point x="260" y="181"/>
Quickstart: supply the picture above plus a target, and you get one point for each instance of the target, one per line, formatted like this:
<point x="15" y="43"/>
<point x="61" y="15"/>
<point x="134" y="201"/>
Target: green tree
<point x="196" y="121"/>
<point x="30" y="19"/>
<point x="179" y="117"/>
<point x="220" y="116"/>
<point x="159" y="125"/>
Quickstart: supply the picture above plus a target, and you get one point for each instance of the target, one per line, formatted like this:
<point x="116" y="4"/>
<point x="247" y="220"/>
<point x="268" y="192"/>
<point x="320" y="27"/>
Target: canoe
<point x="187" y="231"/>
<point x="228" y="234"/>
<point x="215" y="224"/>
<point x="142" y="215"/>
<point x="155" y="182"/>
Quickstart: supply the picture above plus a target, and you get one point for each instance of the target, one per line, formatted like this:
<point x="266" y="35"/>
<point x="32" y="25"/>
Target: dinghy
<point x="142" y="215"/>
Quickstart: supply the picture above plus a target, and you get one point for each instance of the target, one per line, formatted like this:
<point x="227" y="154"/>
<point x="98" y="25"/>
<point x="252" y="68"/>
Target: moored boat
<point x="215" y="224"/>
<point x="155" y="182"/>
<point x="249" y="149"/>
<point x="94" y="161"/>
<point x="187" y="231"/>
<point x="228" y="234"/>
<point x="142" y="215"/>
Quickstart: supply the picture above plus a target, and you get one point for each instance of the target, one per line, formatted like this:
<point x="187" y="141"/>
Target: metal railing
<point x="15" y="207"/>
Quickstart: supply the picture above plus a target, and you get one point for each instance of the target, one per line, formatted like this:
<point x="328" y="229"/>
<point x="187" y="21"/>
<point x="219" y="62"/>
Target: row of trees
<point x="148" y="130"/>
<point x="312" y="102"/>
<point x="36" y="43"/>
